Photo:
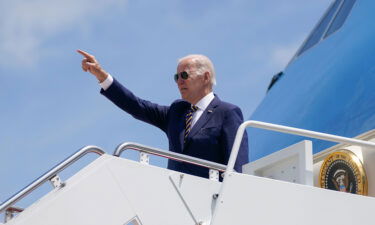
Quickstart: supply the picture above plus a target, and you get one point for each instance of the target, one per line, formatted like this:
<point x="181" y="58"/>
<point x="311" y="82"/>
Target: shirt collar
<point x="205" y="101"/>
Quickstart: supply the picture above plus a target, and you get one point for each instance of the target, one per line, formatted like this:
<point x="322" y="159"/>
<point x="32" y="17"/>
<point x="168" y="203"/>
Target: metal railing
<point x="50" y="175"/>
<point x="214" y="167"/>
<point x="289" y="130"/>
<point x="169" y="155"/>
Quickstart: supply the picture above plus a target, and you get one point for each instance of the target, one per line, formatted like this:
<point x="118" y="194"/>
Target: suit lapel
<point x="182" y="133"/>
<point x="205" y="117"/>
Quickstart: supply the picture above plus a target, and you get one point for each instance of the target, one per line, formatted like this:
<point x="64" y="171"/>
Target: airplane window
<point x="341" y="17"/>
<point x="317" y="34"/>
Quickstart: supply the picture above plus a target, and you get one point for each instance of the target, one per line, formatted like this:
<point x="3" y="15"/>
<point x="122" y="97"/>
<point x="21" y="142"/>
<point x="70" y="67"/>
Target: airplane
<point x="328" y="85"/>
<point x="324" y="94"/>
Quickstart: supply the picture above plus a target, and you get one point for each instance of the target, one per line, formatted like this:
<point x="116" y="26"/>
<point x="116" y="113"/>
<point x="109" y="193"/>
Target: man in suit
<point x="198" y="125"/>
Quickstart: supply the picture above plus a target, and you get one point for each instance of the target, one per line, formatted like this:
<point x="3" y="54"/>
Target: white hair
<point x="202" y="64"/>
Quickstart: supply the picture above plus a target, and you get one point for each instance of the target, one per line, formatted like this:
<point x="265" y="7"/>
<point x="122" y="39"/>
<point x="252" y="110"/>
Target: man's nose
<point x="180" y="81"/>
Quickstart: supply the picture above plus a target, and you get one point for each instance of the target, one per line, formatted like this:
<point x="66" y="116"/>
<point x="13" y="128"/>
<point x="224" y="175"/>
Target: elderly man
<point x="198" y="125"/>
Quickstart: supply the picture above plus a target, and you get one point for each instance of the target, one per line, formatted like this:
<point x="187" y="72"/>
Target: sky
<point x="50" y="108"/>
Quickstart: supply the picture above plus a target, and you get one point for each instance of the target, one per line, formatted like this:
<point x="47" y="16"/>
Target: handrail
<point x="289" y="130"/>
<point x="50" y="174"/>
<point x="168" y="154"/>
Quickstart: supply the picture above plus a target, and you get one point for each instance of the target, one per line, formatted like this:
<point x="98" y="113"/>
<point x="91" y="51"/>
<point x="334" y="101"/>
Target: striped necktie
<point x="189" y="118"/>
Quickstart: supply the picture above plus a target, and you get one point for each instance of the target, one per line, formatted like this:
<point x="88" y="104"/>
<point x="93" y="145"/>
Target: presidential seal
<point x="343" y="171"/>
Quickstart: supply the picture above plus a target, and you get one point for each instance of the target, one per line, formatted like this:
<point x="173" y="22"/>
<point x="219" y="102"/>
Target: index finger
<point x="85" y="54"/>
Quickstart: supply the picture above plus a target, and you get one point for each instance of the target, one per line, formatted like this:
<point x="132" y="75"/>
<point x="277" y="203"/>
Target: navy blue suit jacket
<point x="211" y="137"/>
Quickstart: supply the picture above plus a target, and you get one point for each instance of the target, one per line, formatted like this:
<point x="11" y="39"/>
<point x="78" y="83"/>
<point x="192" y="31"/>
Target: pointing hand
<point x="90" y="64"/>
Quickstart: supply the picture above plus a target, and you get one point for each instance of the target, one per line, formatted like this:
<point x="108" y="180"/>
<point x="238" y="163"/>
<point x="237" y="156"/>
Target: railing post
<point x="144" y="158"/>
<point x="56" y="182"/>
<point x="214" y="175"/>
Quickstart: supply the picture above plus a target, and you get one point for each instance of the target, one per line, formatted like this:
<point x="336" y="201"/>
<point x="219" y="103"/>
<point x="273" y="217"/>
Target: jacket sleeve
<point x="232" y="121"/>
<point x="140" y="109"/>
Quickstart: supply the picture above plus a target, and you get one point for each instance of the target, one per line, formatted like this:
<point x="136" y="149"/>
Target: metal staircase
<point x="113" y="190"/>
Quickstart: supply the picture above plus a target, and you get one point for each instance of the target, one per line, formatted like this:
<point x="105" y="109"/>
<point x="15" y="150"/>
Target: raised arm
<point x="140" y="109"/>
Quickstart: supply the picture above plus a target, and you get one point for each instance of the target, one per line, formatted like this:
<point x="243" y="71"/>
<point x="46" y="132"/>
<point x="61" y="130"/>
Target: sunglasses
<point x="184" y="75"/>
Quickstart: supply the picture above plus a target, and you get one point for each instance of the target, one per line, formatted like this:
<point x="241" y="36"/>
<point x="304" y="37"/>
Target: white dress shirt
<point x="201" y="104"/>
<point x="107" y="82"/>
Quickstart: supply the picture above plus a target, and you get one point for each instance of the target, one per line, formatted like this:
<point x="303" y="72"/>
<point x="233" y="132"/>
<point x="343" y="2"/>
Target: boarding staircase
<point x="116" y="191"/>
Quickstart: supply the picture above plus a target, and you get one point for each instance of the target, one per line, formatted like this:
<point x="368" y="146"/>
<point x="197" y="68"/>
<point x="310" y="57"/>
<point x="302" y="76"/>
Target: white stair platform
<point x="247" y="199"/>
<point x="293" y="164"/>
<point x="114" y="191"/>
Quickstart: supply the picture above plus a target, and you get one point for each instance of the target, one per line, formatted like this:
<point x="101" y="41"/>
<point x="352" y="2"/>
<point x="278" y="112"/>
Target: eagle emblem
<point x="343" y="171"/>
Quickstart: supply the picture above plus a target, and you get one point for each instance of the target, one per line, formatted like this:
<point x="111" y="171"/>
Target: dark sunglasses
<point x="184" y="75"/>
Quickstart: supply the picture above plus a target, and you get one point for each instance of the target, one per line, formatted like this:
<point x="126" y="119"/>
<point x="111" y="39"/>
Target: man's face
<point x="193" y="88"/>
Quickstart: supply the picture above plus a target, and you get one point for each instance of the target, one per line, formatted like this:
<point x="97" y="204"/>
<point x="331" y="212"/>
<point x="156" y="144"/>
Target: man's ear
<point x="207" y="77"/>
